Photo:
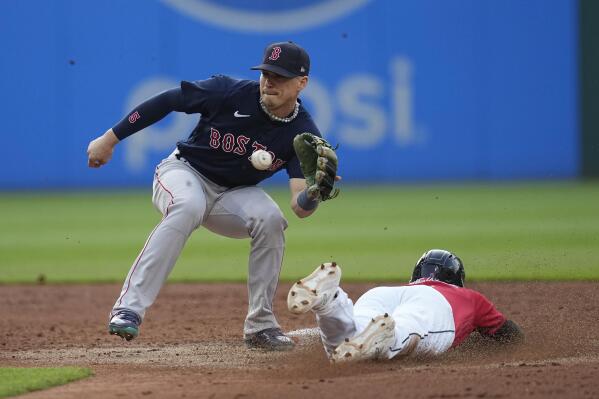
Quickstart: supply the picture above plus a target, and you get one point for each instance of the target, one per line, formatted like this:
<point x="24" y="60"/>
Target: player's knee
<point x="273" y="221"/>
<point x="189" y="210"/>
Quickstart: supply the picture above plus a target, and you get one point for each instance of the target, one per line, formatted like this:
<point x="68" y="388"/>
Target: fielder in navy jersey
<point x="429" y="316"/>
<point x="209" y="181"/>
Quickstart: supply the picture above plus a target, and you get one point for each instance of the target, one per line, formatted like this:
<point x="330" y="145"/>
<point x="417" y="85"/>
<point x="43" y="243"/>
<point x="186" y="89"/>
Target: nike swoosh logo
<point x="238" y="115"/>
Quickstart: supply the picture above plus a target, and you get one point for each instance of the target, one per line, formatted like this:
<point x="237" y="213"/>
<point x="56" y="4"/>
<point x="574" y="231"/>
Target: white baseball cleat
<point x="372" y="343"/>
<point x="315" y="290"/>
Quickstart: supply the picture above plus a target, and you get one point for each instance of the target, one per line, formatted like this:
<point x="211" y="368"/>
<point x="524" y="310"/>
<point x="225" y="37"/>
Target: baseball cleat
<point x="315" y="290"/>
<point x="270" y="339"/>
<point x="124" y="323"/>
<point x="372" y="343"/>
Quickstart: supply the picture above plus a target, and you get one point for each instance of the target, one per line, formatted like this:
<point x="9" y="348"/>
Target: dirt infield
<point x="190" y="346"/>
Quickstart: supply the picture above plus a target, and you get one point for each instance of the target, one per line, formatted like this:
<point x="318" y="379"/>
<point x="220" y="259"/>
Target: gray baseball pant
<point x="187" y="200"/>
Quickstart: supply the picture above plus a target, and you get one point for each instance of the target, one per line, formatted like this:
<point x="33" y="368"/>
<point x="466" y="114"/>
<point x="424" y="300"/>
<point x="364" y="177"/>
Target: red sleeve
<point x="488" y="319"/>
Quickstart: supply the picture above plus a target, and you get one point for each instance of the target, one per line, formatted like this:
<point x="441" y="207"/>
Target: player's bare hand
<point x="99" y="150"/>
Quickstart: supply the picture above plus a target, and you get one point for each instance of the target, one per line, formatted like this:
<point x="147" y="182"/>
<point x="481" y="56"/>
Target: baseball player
<point x="430" y="315"/>
<point x="209" y="181"/>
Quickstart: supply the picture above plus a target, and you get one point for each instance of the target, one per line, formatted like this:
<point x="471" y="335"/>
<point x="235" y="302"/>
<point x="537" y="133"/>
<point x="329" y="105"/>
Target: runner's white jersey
<point x="440" y="314"/>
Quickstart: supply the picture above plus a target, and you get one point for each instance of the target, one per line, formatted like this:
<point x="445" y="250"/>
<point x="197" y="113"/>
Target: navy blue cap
<point x="285" y="59"/>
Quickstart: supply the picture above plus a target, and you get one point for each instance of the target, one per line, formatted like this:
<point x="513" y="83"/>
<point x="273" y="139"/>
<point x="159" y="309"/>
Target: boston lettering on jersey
<point x="232" y="126"/>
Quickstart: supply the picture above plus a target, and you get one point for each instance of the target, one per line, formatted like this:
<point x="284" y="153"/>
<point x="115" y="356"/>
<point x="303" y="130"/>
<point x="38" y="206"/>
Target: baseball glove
<point x="319" y="165"/>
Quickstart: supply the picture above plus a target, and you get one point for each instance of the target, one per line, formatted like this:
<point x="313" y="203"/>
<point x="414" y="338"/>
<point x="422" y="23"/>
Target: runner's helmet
<point x="442" y="265"/>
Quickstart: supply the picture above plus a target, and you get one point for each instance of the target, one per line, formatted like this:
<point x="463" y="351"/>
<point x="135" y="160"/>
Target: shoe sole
<point x="371" y="343"/>
<point x="304" y="294"/>
<point x="127" y="333"/>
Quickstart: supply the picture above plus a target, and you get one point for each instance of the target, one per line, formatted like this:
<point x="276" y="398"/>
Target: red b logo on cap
<point x="276" y="52"/>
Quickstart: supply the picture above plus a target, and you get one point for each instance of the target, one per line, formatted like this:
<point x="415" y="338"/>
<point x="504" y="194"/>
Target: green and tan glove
<point x="318" y="161"/>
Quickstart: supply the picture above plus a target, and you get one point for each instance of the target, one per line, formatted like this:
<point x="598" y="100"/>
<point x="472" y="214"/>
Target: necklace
<point x="277" y="118"/>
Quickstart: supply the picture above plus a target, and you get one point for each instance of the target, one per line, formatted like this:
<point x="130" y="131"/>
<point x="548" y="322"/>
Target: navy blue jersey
<point x="232" y="126"/>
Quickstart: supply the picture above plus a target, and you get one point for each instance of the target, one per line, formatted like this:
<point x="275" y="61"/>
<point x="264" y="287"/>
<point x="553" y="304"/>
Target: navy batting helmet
<point x="441" y="265"/>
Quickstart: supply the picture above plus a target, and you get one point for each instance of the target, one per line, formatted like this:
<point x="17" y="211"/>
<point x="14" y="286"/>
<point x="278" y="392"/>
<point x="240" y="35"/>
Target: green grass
<point x="539" y="231"/>
<point x="16" y="381"/>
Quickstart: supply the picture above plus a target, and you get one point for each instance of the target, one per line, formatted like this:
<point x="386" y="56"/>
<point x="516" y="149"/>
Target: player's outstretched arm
<point x="145" y="114"/>
<point x="99" y="150"/>
<point x="508" y="333"/>
<point x="492" y="324"/>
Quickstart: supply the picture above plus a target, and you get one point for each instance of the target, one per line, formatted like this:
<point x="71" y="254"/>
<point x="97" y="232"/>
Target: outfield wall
<point x="411" y="90"/>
